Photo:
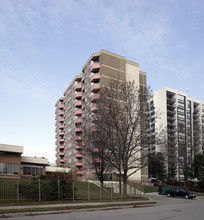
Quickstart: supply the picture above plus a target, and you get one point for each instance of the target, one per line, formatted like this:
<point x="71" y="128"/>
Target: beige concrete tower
<point x="100" y="68"/>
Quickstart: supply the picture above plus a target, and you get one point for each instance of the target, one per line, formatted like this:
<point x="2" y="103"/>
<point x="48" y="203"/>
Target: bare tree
<point x="96" y="147"/>
<point x="122" y="128"/>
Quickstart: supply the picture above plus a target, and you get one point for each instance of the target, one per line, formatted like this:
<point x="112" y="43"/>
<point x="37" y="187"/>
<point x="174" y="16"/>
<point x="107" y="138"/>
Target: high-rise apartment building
<point x="84" y="90"/>
<point x="182" y="119"/>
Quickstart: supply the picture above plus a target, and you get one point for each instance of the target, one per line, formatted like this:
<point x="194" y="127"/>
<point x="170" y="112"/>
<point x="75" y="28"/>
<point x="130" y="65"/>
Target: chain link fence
<point x="36" y="189"/>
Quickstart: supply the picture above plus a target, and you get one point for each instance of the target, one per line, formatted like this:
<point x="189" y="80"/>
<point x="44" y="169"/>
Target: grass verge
<point x="65" y="208"/>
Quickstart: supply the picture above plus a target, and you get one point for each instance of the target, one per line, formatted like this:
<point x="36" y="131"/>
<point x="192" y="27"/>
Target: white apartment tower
<point x="182" y="119"/>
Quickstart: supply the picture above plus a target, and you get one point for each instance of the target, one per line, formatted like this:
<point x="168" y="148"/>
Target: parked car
<point x="173" y="192"/>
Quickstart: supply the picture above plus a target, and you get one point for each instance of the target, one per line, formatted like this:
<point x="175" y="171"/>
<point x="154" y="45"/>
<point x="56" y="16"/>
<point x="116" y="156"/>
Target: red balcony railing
<point x="61" y="106"/>
<point x="78" y="147"/>
<point x="95" y="66"/>
<point x="95" y="87"/>
<point x="61" y="126"/>
<point x="78" y="87"/>
<point x="78" y="130"/>
<point x="78" y="155"/>
<point x="61" y="113"/>
<point x="78" y="104"/>
<point x="61" y="119"/>
<point x="78" y="120"/>
<point x="78" y="138"/>
<point x="78" y="112"/>
<point x="94" y="108"/>
<point x="79" y="164"/>
<point x="95" y="77"/>
<point x="95" y="97"/>
<point x="79" y="172"/>
<point x="78" y="95"/>
<point x="61" y="147"/>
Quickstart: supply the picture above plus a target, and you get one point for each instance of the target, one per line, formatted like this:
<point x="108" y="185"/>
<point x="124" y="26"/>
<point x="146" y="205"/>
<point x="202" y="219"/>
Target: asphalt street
<point x="168" y="208"/>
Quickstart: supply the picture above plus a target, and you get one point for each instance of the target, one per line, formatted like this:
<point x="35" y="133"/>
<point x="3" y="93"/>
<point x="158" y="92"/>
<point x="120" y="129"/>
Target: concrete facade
<point x="97" y="72"/>
<point x="14" y="165"/>
<point x="182" y="118"/>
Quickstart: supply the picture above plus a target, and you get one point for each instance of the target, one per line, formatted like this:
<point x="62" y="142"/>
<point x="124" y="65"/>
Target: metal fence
<point x="36" y="189"/>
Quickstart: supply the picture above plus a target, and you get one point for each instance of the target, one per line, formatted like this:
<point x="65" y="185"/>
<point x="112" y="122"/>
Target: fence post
<point x="39" y="191"/>
<point x="73" y="190"/>
<point x="111" y="191"/>
<point x="58" y="189"/>
<point x="17" y="190"/>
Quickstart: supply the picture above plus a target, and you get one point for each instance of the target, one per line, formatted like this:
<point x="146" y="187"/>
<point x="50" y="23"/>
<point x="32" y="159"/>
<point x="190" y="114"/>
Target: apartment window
<point x="69" y="130"/>
<point x="69" y="91"/>
<point x="69" y="122"/>
<point x="9" y="168"/>
<point x="33" y="170"/>
<point x="69" y="100"/>
<point x="69" y="115"/>
<point x="69" y="107"/>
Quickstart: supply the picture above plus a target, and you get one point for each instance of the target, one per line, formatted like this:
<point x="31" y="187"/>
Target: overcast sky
<point x="45" y="43"/>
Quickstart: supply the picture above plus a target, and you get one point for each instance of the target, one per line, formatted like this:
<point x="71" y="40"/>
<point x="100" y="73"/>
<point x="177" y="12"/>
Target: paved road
<point x="168" y="208"/>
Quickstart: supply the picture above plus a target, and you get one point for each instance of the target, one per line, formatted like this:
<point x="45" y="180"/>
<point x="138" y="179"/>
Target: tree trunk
<point x="120" y="185"/>
<point x="101" y="189"/>
<point x="124" y="186"/>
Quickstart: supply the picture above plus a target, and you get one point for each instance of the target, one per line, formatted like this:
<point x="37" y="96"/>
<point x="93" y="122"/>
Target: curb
<point x="8" y="215"/>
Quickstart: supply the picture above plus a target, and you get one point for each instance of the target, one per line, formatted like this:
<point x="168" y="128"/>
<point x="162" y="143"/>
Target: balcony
<point x="95" y="67"/>
<point x="78" y="104"/>
<point x="78" y="155"/>
<point x="78" y="120"/>
<point x="61" y="113"/>
<point x="95" y="149"/>
<point x="78" y="87"/>
<point x="79" y="172"/>
<point x="95" y="77"/>
<point x="61" y="126"/>
<point x="61" y="140"/>
<point x="61" y="106"/>
<point x="95" y="87"/>
<point x="171" y="118"/>
<point x="78" y="137"/>
<point x="78" y="112"/>
<point x="94" y="108"/>
<point x="61" y="153"/>
<point x="78" y="130"/>
<point x="78" y="147"/>
<point x="170" y="100"/>
<point x="171" y="112"/>
<point x="62" y="133"/>
<point x="78" y="95"/>
<point x="95" y="97"/>
<point x="61" y="160"/>
<point x="61" y="147"/>
<point x="79" y="164"/>
<point x="61" y="119"/>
